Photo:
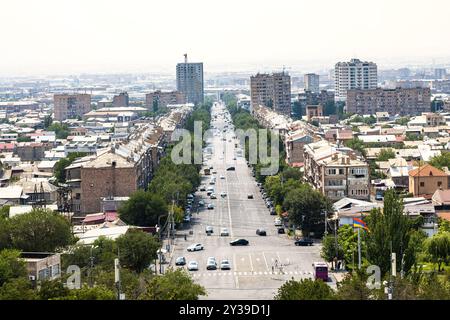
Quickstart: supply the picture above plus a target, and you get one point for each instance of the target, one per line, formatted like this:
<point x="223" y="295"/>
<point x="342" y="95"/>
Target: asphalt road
<point x="251" y="275"/>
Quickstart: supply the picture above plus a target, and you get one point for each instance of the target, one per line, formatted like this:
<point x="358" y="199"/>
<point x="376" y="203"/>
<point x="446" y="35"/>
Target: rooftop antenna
<point x="185" y="58"/>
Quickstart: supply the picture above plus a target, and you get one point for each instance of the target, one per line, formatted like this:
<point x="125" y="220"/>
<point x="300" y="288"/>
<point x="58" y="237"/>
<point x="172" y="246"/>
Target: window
<point x="439" y="183"/>
<point x="422" y="184"/>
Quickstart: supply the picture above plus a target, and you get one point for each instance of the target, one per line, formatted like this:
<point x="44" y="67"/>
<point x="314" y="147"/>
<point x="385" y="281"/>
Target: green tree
<point x="143" y="209"/>
<point x="17" y="289"/>
<point x="331" y="249"/>
<point x="432" y="288"/>
<point x="87" y="293"/>
<point x="137" y="249"/>
<point x="40" y="231"/>
<point x="4" y="212"/>
<point x="354" y="287"/>
<point x="440" y="161"/>
<point x="390" y="230"/>
<point x="23" y="139"/>
<point x="61" y="130"/>
<point x="305" y="289"/>
<point x="173" y="285"/>
<point x="386" y="154"/>
<point x="357" y="145"/>
<point x="63" y="163"/>
<point x="305" y="207"/>
<point x="11" y="266"/>
<point x="51" y="289"/>
<point x="438" y="248"/>
<point x="47" y="121"/>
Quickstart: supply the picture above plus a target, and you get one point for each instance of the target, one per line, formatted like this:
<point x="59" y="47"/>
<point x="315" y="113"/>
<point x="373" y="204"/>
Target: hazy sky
<point x="59" y="36"/>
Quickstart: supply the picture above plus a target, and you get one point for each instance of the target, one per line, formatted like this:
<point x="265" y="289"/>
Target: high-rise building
<point x="272" y="91"/>
<point x="190" y="81"/>
<point x="355" y="74"/>
<point x="440" y="73"/>
<point x="121" y="100"/>
<point x="71" y="106"/>
<point x="312" y="82"/>
<point x="158" y="99"/>
<point x="411" y="101"/>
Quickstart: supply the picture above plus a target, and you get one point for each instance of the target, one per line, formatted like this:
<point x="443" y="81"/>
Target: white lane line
<point x="251" y="263"/>
<point x="265" y="261"/>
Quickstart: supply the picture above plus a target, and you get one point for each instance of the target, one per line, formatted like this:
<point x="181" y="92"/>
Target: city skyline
<point x="57" y="37"/>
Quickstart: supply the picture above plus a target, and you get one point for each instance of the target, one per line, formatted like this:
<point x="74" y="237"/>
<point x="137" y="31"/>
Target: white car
<point x="223" y="194"/>
<point x="278" y="223"/>
<point x="225" y="265"/>
<point x="224" y="232"/>
<point x="213" y="196"/>
<point x="222" y="177"/>
<point x="195" y="247"/>
<point x="192" y="266"/>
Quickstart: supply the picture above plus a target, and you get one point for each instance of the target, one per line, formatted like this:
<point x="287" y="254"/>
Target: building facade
<point x="71" y="106"/>
<point x="160" y="99"/>
<point x="121" y="100"/>
<point x="425" y="180"/>
<point x="336" y="173"/>
<point x="312" y="82"/>
<point x="355" y="74"/>
<point x="190" y="81"/>
<point x="399" y="101"/>
<point x="272" y="91"/>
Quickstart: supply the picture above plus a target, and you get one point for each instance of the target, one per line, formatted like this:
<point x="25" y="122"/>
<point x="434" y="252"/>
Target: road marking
<point x="265" y="261"/>
<point x="251" y="263"/>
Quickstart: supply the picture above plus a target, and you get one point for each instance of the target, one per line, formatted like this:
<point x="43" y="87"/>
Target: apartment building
<point x="272" y="91"/>
<point x="160" y="99"/>
<point x="71" y="106"/>
<point x="355" y="74"/>
<point x="121" y="100"/>
<point x="404" y="102"/>
<point x="336" y="173"/>
<point x="190" y="81"/>
<point x="312" y="82"/>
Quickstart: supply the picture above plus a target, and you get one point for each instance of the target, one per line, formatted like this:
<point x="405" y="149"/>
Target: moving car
<point x="225" y="265"/>
<point x="209" y="229"/>
<point x="223" y="194"/>
<point x="231" y="169"/>
<point x="181" y="261"/>
<point x="224" y="232"/>
<point x="222" y="177"/>
<point x="239" y="242"/>
<point x="195" y="247"/>
<point x="192" y="266"/>
<point x="261" y="232"/>
<point x="304" y="242"/>
<point x="210" y="206"/>
<point x="213" y="196"/>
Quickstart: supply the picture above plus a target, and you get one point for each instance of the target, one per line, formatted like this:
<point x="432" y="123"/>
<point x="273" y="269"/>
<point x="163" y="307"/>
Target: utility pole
<point x="359" y="249"/>
<point x="117" y="278"/>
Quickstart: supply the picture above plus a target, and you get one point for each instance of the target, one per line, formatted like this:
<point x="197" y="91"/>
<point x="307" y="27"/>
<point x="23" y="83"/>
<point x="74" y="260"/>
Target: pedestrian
<point x="276" y="263"/>
<point x="272" y="269"/>
<point x="185" y="237"/>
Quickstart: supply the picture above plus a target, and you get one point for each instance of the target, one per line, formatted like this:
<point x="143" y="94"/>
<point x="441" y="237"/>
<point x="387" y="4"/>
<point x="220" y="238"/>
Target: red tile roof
<point x="427" y="171"/>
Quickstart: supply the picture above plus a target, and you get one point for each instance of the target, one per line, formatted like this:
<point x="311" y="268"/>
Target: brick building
<point x="160" y="99"/>
<point x="71" y="106"/>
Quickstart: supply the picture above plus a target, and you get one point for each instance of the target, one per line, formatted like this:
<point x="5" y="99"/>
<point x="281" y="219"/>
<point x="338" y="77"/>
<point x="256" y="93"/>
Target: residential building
<point x="399" y="101"/>
<point x="71" y="106"/>
<point x="336" y="172"/>
<point x="313" y="111"/>
<point x="190" y="81"/>
<point x="355" y="74"/>
<point x="295" y="142"/>
<point x="272" y="91"/>
<point x="160" y="99"/>
<point x="425" y="180"/>
<point x="312" y="82"/>
<point x="30" y="151"/>
<point x="121" y="100"/>
<point x="440" y="73"/>
<point x="42" y="266"/>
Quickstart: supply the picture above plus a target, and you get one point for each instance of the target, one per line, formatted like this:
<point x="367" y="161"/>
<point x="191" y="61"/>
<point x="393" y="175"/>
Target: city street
<point x="259" y="269"/>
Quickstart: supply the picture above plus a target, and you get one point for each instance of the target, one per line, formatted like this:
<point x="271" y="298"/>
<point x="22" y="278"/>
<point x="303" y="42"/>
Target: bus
<point x="320" y="271"/>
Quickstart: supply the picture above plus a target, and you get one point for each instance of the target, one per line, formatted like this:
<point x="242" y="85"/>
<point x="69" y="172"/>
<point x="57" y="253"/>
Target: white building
<point x="312" y="82"/>
<point x="355" y="74"/>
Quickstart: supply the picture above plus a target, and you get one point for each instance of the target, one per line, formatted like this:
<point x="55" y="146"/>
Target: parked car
<point x="278" y="222"/>
<point x="225" y="265"/>
<point x="201" y="203"/>
<point x="281" y="231"/>
<point x="304" y="242"/>
<point x="181" y="261"/>
<point x="192" y="266"/>
<point x="224" y="232"/>
<point x="195" y="247"/>
<point x="239" y="242"/>
<point x="231" y="169"/>
<point x="202" y="188"/>
<point x="273" y="212"/>
<point x="211" y="264"/>
<point x="187" y="219"/>
<point x="213" y="196"/>
<point x="249" y="196"/>
<point x="261" y="232"/>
